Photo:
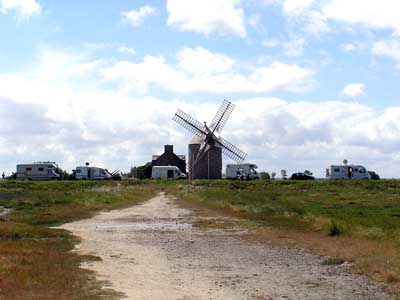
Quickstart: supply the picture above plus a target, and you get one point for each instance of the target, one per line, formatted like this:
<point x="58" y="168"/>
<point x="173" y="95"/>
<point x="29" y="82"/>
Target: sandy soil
<point x="152" y="251"/>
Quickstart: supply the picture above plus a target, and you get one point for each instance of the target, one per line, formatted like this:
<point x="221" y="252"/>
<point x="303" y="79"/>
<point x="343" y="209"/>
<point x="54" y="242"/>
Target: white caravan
<point x="347" y="172"/>
<point x="167" y="172"/>
<point x="91" y="173"/>
<point x="243" y="171"/>
<point x="38" y="171"/>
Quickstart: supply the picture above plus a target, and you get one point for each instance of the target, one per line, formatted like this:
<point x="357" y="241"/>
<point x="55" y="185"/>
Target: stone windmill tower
<point x="207" y="146"/>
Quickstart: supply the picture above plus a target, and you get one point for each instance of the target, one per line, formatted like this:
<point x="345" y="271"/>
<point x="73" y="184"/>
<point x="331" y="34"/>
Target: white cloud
<point x="354" y="90"/>
<point x="207" y="16"/>
<point x="24" y="8"/>
<point x="63" y="103"/>
<point x="388" y="48"/>
<point x="199" y="70"/>
<point x="314" y="15"/>
<point x="136" y="17"/>
<point x="315" y="22"/>
<point x="306" y="13"/>
<point x="200" y="60"/>
<point x="378" y="14"/>
<point x="124" y="49"/>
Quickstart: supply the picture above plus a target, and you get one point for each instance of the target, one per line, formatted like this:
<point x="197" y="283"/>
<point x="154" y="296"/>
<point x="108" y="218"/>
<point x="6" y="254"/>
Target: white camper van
<point x="91" y="173"/>
<point x="167" y="172"/>
<point x="38" y="171"/>
<point x="347" y="172"/>
<point x="243" y="171"/>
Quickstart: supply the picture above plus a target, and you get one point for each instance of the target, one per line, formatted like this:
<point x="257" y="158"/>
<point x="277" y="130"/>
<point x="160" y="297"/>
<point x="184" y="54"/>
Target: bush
<point x="334" y="229"/>
<point x="265" y="175"/>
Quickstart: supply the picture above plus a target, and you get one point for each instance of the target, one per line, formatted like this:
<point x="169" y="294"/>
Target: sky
<point x="314" y="81"/>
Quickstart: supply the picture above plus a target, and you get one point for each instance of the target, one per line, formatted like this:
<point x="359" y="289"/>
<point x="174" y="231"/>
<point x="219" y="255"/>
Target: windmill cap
<point x="195" y="141"/>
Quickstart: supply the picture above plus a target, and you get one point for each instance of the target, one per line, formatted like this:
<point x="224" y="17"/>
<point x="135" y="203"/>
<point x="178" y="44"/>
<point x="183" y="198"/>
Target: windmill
<point x="205" y="150"/>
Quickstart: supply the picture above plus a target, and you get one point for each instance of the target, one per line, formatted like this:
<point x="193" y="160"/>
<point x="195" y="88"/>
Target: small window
<point x="336" y="170"/>
<point x="28" y="169"/>
<point x="78" y="171"/>
<point x="50" y="167"/>
<point x="103" y="173"/>
<point x="362" y="171"/>
<point x="41" y="169"/>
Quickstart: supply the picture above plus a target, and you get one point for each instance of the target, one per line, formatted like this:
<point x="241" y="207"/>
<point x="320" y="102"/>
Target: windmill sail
<point x="204" y="147"/>
<point x="222" y="116"/>
<point x="231" y="150"/>
<point x="190" y="124"/>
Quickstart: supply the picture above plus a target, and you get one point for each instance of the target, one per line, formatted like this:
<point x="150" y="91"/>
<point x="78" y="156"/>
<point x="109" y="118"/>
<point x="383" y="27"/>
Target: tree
<point x="131" y="173"/>
<point x="64" y="175"/>
<point x="273" y="175"/>
<point x="284" y="174"/>
<point x="142" y="172"/>
<point x="264" y="175"/>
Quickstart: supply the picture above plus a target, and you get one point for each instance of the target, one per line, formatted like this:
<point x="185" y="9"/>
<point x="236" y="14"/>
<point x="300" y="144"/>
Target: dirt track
<point x="151" y="251"/>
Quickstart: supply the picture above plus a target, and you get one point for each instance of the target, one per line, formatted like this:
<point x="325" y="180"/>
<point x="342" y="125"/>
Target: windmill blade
<point x="190" y="123"/>
<point x="231" y="150"/>
<point x="222" y="116"/>
<point x="204" y="147"/>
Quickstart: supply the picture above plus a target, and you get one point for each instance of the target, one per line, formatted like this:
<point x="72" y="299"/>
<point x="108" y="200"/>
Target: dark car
<point x="373" y="175"/>
<point x="301" y="176"/>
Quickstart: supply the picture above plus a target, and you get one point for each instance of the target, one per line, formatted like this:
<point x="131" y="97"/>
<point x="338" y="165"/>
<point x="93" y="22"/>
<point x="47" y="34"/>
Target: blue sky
<point x="315" y="81"/>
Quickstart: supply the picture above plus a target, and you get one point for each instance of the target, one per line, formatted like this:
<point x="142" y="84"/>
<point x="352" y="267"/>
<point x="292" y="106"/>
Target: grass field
<point x="356" y="221"/>
<point x="35" y="260"/>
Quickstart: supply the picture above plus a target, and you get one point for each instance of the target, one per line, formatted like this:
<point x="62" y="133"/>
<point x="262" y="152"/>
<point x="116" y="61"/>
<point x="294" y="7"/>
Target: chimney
<point x="168" y="149"/>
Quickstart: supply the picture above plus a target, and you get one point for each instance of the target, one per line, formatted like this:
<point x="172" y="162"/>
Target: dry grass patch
<point x="378" y="259"/>
<point x="36" y="262"/>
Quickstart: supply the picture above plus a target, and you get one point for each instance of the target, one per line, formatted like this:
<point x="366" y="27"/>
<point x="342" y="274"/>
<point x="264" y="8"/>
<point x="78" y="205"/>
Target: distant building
<point x="169" y="158"/>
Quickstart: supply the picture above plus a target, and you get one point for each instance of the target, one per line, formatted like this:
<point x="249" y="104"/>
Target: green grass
<point x="350" y="220"/>
<point x="36" y="261"/>
<point x="350" y="207"/>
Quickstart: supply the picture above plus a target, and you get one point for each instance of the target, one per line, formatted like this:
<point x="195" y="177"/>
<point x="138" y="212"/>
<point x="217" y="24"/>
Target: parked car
<point x="301" y="176"/>
<point x="373" y="175"/>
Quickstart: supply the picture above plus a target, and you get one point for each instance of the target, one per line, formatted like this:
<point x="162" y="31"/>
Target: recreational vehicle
<point x="167" y="172"/>
<point x="91" y="173"/>
<point x="38" y="171"/>
<point x="347" y="172"/>
<point x="243" y="171"/>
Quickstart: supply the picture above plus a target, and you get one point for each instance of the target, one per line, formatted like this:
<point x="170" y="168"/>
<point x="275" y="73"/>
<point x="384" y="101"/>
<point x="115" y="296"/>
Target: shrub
<point x="332" y="261"/>
<point x="334" y="229"/>
<point x="265" y="175"/>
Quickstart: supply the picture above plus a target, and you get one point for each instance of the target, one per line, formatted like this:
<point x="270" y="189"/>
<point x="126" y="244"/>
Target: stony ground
<point x="152" y="251"/>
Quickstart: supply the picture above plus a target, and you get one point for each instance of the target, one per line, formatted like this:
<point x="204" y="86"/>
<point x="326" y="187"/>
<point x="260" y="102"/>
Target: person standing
<point x="3" y="176"/>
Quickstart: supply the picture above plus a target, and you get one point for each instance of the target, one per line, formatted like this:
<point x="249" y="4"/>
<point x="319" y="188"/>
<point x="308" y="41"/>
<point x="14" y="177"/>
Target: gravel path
<point x="151" y="251"/>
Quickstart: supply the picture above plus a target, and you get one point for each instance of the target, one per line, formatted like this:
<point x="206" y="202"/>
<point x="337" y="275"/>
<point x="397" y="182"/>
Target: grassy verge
<point x="357" y="221"/>
<point x="36" y="261"/>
